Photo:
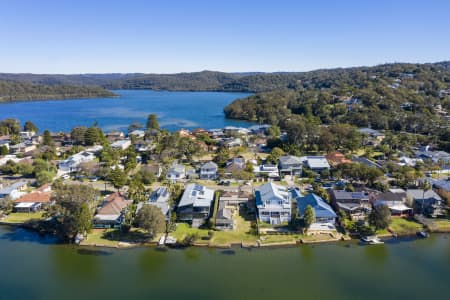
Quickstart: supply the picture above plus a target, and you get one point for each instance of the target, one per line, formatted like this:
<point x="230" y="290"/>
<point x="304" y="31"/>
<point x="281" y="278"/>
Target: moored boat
<point x="371" y="240"/>
<point x="423" y="234"/>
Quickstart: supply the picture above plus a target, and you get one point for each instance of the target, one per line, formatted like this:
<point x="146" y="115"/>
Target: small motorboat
<point x="371" y="240"/>
<point x="423" y="234"/>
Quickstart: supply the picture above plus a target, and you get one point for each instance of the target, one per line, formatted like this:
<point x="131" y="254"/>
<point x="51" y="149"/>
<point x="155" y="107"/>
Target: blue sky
<point x="166" y="36"/>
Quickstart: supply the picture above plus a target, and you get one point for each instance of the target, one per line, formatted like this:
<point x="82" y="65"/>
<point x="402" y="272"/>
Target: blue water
<point x="175" y="110"/>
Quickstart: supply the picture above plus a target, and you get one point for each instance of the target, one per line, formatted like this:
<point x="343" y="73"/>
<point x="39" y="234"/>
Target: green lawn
<point x="279" y="238"/>
<point x="240" y="234"/>
<point x="403" y="226"/>
<point x="184" y="229"/>
<point x="319" y="238"/>
<point x="112" y="237"/>
<point x="22" y="217"/>
<point x="441" y="225"/>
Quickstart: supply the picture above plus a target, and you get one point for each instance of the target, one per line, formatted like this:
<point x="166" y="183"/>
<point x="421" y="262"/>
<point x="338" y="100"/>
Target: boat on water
<point x="423" y="234"/>
<point x="371" y="240"/>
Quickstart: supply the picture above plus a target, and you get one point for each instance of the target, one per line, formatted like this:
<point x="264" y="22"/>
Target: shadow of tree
<point x="130" y="237"/>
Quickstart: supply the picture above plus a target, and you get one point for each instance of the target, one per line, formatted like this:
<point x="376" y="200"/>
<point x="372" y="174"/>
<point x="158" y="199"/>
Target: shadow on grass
<point x="129" y="237"/>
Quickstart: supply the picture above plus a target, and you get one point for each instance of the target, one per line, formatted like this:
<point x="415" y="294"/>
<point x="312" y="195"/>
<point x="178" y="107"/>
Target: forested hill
<point x="233" y="82"/>
<point x="399" y="97"/>
<point x="23" y="91"/>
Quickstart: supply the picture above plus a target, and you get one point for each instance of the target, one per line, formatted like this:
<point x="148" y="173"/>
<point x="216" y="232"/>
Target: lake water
<point x="32" y="267"/>
<point x="175" y="110"/>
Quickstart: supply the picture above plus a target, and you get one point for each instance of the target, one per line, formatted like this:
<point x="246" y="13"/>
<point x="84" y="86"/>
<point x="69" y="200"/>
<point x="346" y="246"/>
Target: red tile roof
<point x="336" y="158"/>
<point x="113" y="204"/>
<point x="38" y="196"/>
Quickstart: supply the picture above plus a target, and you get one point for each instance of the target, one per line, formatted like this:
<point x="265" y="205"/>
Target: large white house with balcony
<point x="274" y="203"/>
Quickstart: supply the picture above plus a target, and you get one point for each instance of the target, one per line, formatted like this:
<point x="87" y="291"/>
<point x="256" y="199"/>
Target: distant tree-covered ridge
<point x="398" y="97"/>
<point x="233" y="82"/>
<point x="24" y="91"/>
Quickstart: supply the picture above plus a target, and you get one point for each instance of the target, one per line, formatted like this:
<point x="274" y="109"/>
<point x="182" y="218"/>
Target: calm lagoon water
<point x="33" y="267"/>
<point x="175" y="110"/>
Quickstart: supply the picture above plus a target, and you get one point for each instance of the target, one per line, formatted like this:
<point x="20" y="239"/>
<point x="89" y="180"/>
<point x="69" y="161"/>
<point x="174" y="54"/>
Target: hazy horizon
<point x="230" y="72"/>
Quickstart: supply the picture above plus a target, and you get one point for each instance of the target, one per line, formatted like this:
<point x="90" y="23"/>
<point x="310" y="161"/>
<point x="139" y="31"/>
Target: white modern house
<point x="274" y="203"/>
<point x="209" y="170"/>
<point x="268" y="170"/>
<point x="14" y="190"/>
<point x="72" y="163"/>
<point x="121" y="144"/>
<point x="317" y="163"/>
<point x="137" y="133"/>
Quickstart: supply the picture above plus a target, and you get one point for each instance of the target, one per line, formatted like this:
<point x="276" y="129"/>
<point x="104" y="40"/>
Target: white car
<point x="66" y="176"/>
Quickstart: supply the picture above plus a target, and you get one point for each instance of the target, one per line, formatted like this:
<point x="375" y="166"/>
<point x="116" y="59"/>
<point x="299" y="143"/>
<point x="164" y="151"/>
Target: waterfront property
<point x="224" y="217"/>
<point x="33" y="201"/>
<point x="354" y="204"/>
<point x="426" y="202"/>
<point x="273" y="203"/>
<point x="111" y="212"/>
<point x="229" y="203"/>
<point x="195" y="204"/>
<point x="324" y="215"/>
<point x="159" y="198"/>
<point x="395" y="200"/>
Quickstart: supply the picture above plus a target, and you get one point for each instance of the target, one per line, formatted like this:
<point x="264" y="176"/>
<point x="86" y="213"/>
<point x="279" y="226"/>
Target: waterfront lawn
<point x="279" y="239"/>
<point x="242" y="232"/>
<point x="182" y="230"/>
<point x="19" y="218"/>
<point x="322" y="237"/>
<point x="403" y="226"/>
<point x="113" y="237"/>
<point x="439" y="225"/>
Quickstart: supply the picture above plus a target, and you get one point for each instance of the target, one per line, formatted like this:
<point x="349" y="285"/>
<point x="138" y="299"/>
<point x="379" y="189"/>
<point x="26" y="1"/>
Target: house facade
<point x="195" y="204"/>
<point x="395" y="200"/>
<point x="33" y="201"/>
<point x="290" y="165"/>
<point x="355" y="204"/>
<point x="209" y="171"/>
<point x="111" y="212"/>
<point x="14" y="190"/>
<point x="273" y="203"/>
<point x="72" y="164"/>
<point x="176" y="173"/>
<point x="426" y="202"/>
